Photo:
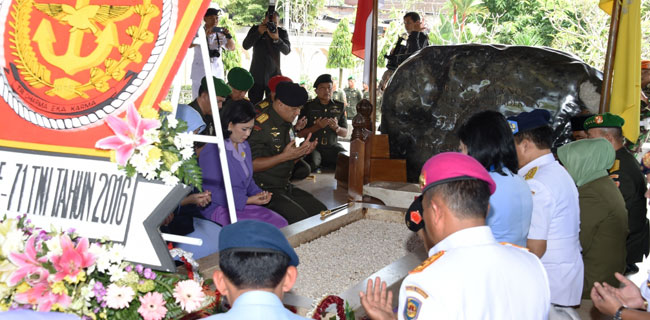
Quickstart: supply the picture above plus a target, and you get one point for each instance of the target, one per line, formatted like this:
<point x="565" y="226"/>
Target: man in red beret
<point x="468" y="274"/>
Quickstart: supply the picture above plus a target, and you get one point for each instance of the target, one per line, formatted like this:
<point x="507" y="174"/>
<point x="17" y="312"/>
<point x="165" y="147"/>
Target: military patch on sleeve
<point x="412" y="308"/>
<point x="508" y="244"/>
<point x="264" y="104"/>
<point x="262" y="117"/>
<point x="417" y="290"/>
<point x="530" y="174"/>
<point x="427" y="262"/>
<point x="616" y="166"/>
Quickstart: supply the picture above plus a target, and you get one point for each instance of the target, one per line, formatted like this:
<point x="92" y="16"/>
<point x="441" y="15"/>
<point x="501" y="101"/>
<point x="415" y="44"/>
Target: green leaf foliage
<point x="340" y="50"/>
<point x="230" y="59"/>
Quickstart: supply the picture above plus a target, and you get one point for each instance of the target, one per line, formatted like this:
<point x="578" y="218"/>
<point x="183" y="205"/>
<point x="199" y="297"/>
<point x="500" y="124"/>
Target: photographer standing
<point x="267" y="40"/>
<point x="217" y="38"/>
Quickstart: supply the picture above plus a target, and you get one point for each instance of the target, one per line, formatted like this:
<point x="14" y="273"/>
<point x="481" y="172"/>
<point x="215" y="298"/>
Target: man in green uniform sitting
<point x="354" y="96"/>
<point x="275" y="154"/>
<point x="325" y="123"/>
<point x="627" y="174"/>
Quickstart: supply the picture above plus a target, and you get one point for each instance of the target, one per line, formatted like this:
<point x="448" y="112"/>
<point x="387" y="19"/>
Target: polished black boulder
<point x="439" y="87"/>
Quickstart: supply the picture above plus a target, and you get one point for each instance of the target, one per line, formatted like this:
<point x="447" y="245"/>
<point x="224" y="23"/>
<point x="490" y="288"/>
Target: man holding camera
<point x="217" y="38"/>
<point x="267" y="40"/>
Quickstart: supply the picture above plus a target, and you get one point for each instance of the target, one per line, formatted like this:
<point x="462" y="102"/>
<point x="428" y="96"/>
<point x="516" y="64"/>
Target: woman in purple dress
<point x="237" y="120"/>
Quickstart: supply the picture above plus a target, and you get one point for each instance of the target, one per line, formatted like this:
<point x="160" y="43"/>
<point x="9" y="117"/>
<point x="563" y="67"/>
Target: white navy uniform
<point x="257" y="305"/>
<point x="469" y="275"/>
<point x="556" y="219"/>
<point x="216" y="62"/>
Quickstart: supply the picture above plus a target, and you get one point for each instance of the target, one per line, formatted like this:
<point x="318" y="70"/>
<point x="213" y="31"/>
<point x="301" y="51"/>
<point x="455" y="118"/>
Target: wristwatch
<point x="619" y="312"/>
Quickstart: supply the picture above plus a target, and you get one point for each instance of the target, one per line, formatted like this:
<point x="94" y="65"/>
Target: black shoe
<point x="631" y="269"/>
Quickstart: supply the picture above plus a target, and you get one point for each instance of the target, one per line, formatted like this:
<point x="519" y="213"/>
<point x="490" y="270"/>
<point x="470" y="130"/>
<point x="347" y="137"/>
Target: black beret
<point x="212" y="12"/>
<point x="578" y="122"/>
<point x="530" y="120"/>
<point x="415" y="215"/>
<point x="323" y="78"/>
<point x="291" y="94"/>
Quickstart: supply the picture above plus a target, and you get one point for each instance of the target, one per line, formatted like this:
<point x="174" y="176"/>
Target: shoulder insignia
<point x="264" y="104"/>
<point x="616" y="166"/>
<point x="257" y="128"/>
<point x="427" y="262"/>
<point x="262" y="117"/>
<point x="508" y="244"/>
<point x="412" y="308"/>
<point x="530" y="174"/>
<point x="417" y="290"/>
<point x="275" y="134"/>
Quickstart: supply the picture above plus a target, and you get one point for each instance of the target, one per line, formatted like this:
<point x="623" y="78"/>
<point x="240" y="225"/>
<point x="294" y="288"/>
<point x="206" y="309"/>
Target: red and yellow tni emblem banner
<point x="67" y="64"/>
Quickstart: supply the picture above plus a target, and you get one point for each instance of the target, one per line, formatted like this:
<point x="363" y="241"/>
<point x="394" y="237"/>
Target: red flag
<point x="362" y="28"/>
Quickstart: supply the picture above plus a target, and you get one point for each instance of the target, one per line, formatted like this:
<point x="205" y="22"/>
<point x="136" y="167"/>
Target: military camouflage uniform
<point x="328" y="147"/>
<point x="269" y="137"/>
<point x="353" y="96"/>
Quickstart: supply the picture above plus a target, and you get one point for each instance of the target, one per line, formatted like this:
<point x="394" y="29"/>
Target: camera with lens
<point x="217" y="29"/>
<point x="214" y="53"/>
<point x="270" y="25"/>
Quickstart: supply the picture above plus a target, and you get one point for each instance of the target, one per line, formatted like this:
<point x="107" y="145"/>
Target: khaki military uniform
<point x="353" y="96"/>
<point x="269" y="137"/>
<point x="339" y="95"/>
<point x="301" y="168"/>
<point x="328" y="147"/>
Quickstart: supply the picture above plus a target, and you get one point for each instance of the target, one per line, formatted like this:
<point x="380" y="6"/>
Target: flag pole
<point x="606" y="91"/>
<point x="372" y="85"/>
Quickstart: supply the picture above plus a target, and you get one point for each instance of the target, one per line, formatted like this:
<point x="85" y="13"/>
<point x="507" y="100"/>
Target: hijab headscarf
<point x="587" y="160"/>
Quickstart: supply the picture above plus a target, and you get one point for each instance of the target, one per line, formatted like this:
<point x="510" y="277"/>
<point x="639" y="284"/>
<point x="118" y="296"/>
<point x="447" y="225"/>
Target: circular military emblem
<point x="598" y="119"/>
<point x="67" y="64"/>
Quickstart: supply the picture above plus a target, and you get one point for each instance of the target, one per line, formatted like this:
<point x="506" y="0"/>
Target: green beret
<point x="220" y="87"/>
<point x="605" y="120"/>
<point x="240" y="79"/>
<point x="351" y="78"/>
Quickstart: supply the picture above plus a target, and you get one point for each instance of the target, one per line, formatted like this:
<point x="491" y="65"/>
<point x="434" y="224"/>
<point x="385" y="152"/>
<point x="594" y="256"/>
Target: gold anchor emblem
<point x="81" y="19"/>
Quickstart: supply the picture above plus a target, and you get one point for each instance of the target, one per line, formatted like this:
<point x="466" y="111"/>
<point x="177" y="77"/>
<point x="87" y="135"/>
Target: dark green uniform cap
<point x="604" y="120"/>
<point x="220" y="87"/>
<point x="240" y="79"/>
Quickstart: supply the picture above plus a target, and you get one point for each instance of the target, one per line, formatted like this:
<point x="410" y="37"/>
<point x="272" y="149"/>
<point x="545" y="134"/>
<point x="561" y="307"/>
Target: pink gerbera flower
<point x="189" y="295"/>
<point x="152" y="306"/>
<point x="128" y="134"/>
<point x="28" y="264"/>
<point x="72" y="260"/>
<point x="118" y="297"/>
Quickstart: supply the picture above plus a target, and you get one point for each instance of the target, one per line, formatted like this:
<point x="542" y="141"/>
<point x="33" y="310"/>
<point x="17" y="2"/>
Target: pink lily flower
<point x="41" y="296"/>
<point x="128" y="134"/>
<point x="28" y="264"/>
<point x="72" y="260"/>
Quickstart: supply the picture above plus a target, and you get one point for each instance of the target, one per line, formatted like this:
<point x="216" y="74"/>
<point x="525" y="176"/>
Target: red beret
<point x="273" y="82"/>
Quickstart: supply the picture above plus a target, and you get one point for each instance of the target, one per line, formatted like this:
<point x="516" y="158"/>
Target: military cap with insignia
<point x="604" y="120"/>
<point x="220" y="87"/>
<point x="414" y="215"/>
<point x="526" y="121"/>
<point x="323" y="78"/>
<point x="273" y="82"/>
<point x="240" y="79"/>
<point x="256" y="236"/>
<point x="453" y="166"/>
<point x="291" y="94"/>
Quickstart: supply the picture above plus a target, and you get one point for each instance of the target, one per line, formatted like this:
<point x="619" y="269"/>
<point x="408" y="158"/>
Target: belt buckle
<point x="323" y="141"/>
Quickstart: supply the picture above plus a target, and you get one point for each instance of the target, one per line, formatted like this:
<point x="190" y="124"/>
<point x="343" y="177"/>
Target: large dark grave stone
<point x="439" y="87"/>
